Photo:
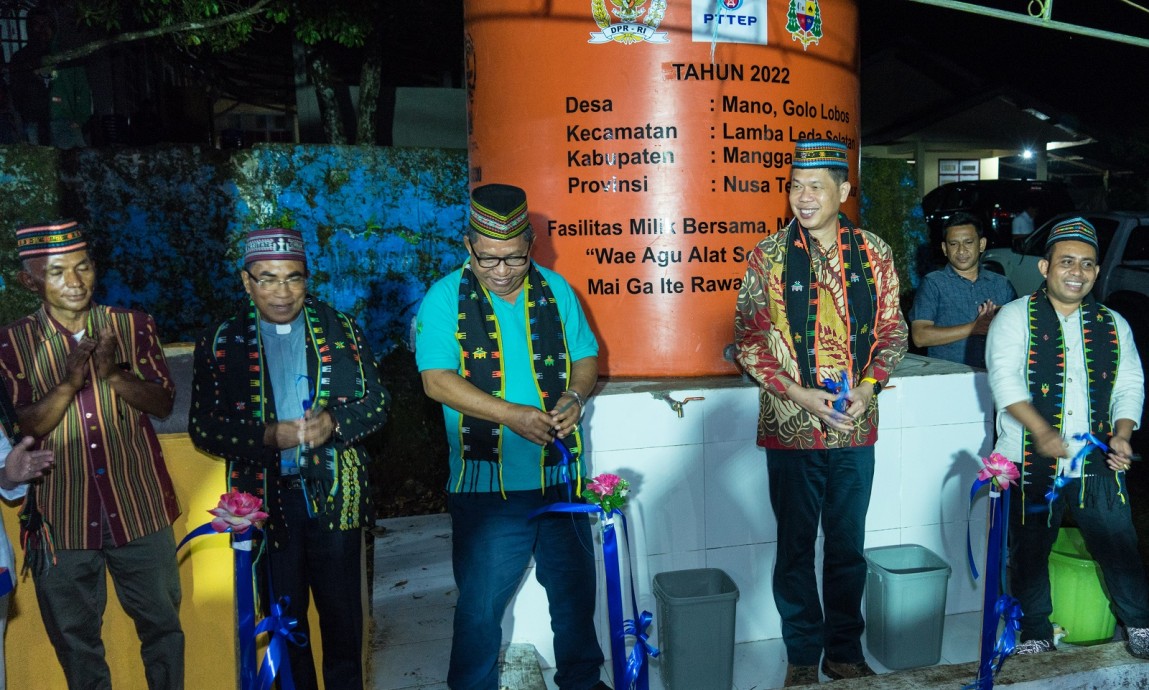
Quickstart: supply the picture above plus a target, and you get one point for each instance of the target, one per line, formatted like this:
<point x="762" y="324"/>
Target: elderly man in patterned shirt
<point x="819" y="309"/>
<point x="84" y="377"/>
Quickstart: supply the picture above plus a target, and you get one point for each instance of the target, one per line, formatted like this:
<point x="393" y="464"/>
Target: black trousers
<point x="327" y="566"/>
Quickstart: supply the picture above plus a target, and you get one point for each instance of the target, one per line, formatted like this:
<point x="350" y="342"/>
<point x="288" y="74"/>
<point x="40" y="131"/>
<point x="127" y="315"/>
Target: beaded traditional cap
<point x="1076" y="228"/>
<point x="44" y="239"/>
<point x="499" y="211"/>
<point x="821" y="153"/>
<point x="274" y="244"/>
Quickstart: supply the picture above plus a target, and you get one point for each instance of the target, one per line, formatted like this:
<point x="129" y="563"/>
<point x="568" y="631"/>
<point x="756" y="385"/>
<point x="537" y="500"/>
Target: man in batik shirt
<point x="819" y="310"/>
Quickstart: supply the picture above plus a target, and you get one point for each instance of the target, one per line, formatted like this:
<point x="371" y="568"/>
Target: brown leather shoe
<point x="838" y="671"/>
<point x="801" y="675"/>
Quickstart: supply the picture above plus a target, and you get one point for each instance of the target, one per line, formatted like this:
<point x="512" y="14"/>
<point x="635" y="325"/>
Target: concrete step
<point x="1100" y="667"/>
<point x="520" y="669"/>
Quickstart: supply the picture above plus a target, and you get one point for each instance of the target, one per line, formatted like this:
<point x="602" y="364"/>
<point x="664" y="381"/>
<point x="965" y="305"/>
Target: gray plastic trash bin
<point x="905" y="605"/>
<point x="696" y="628"/>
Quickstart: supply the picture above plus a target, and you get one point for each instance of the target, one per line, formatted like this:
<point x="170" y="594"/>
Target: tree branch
<point x="133" y="36"/>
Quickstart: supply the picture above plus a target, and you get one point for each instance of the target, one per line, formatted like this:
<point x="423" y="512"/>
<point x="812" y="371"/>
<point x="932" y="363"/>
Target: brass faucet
<point x="675" y="405"/>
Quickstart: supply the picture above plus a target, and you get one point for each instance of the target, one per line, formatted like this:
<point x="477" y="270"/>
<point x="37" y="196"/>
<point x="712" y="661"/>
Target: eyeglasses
<point x="293" y="283"/>
<point x="493" y="261"/>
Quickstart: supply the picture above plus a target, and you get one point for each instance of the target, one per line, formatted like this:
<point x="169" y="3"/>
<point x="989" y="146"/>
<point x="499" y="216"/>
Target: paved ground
<point x="414" y="597"/>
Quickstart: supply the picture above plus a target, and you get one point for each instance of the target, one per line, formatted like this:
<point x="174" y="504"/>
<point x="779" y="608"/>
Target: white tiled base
<point x="414" y="601"/>
<point x="760" y="665"/>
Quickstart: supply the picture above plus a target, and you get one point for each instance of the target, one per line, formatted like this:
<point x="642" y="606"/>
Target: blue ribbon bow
<point x="995" y="605"/>
<point x="630" y="670"/>
<point x="281" y="627"/>
<point x="246" y="630"/>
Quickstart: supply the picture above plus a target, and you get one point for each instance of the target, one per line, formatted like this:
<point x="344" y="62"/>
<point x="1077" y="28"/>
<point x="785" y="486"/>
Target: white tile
<point x="890" y="407"/>
<point x="883" y="537"/>
<point x="939" y="465"/>
<point x="886" y="496"/>
<point x="731" y="414"/>
<point x="638" y="420"/>
<point x="941" y="400"/>
<point x="528" y="617"/>
<point x="949" y="542"/>
<point x="760" y="664"/>
<point x="413" y="535"/>
<point x="961" y="638"/>
<point x="737" y="495"/>
<point x="751" y="567"/>
<point x="667" y="495"/>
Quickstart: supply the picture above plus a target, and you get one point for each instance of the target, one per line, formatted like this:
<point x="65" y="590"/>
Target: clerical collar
<point x="281" y="328"/>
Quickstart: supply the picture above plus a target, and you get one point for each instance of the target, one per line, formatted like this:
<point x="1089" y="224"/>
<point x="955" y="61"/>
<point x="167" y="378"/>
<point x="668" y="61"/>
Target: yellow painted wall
<point x="207" y="611"/>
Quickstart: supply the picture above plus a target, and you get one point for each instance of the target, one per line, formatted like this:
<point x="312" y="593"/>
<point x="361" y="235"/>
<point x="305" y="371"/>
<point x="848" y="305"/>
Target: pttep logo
<point x="629" y="29"/>
<point x="728" y="21"/>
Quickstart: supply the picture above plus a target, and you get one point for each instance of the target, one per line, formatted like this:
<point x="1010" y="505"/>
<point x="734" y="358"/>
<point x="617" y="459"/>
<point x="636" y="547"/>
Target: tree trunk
<point x="319" y="69"/>
<point x="370" y="86"/>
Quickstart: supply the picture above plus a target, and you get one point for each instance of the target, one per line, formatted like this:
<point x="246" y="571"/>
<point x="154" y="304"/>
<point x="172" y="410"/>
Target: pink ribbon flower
<point x="604" y="484"/>
<point x="608" y="491"/>
<point x="237" y="512"/>
<point x="1001" y="470"/>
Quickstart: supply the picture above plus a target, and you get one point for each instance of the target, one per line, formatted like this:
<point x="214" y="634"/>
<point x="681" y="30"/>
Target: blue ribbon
<point x="280" y="626"/>
<point x="246" y="630"/>
<point x="1062" y="479"/>
<point x="632" y="669"/>
<point x="995" y="605"/>
<point x="840" y="388"/>
<point x="1008" y="609"/>
<point x="6" y="579"/>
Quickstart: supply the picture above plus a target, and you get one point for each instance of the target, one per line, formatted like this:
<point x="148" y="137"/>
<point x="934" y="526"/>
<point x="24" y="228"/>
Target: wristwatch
<point x="873" y="382"/>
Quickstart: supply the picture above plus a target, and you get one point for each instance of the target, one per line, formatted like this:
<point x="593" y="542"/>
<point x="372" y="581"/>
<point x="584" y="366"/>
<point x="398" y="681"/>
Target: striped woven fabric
<point x="61" y="237"/>
<point x="819" y="153"/>
<point x="499" y="211"/>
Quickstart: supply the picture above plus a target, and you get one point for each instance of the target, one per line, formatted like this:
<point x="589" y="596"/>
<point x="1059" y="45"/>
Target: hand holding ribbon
<point x="1067" y="474"/>
<point x="841" y="389"/>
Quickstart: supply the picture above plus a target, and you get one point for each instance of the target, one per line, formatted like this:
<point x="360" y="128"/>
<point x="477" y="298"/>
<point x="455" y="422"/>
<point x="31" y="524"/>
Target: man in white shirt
<point x="1061" y="367"/>
<point x="1023" y="224"/>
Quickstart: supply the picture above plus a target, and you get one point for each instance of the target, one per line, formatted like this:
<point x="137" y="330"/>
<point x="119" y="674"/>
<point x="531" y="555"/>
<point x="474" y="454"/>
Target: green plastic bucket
<point x="1079" y="602"/>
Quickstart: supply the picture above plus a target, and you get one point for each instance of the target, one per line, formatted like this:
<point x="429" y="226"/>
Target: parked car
<point x="994" y="203"/>
<point x="1123" y="282"/>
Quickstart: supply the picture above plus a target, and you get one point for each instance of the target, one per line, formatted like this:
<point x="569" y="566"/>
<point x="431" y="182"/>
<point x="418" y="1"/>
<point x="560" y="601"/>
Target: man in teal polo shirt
<point x="503" y="344"/>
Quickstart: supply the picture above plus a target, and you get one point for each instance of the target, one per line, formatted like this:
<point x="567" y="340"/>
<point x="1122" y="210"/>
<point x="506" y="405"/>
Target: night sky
<point x="1105" y="83"/>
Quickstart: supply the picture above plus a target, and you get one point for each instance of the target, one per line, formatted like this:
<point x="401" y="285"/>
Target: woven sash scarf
<point x="330" y="340"/>
<point x="807" y="315"/>
<point x="481" y="352"/>
<point x="1046" y="379"/>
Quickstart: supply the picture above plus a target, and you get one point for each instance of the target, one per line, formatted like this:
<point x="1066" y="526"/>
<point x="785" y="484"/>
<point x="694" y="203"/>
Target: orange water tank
<point x="654" y="140"/>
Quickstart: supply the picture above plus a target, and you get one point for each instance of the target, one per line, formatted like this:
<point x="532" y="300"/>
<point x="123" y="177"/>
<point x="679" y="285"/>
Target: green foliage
<point x="890" y="207"/>
<point x="29" y="193"/>
<point x="345" y="22"/>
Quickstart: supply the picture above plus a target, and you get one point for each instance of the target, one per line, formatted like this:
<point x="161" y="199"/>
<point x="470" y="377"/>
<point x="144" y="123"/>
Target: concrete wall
<point x="166" y="224"/>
